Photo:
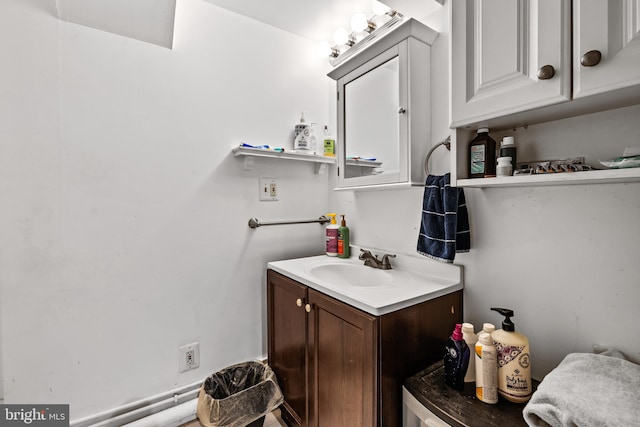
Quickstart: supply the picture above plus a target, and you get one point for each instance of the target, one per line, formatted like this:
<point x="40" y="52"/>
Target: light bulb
<point x="379" y="8"/>
<point x="359" y="22"/>
<point x="340" y="36"/>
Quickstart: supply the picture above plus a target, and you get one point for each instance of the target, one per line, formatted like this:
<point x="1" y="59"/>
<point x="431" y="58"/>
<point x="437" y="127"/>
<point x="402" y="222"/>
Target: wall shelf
<point x="608" y="176"/>
<point x="250" y="154"/>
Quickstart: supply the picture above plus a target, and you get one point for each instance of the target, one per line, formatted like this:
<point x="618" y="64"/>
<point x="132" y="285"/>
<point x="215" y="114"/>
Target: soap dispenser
<point x="343" y="239"/>
<point x="514" y="366"/>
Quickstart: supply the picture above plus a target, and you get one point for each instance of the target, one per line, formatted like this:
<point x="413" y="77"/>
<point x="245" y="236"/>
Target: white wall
<point x="124" y="216"/>
<point x="564" y="258"/>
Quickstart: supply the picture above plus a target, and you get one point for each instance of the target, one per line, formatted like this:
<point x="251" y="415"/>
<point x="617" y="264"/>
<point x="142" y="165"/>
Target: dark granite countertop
<point x="461" y="408"/>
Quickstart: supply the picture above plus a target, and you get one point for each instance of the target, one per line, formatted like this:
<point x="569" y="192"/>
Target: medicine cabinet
<point x="383" y="106"/>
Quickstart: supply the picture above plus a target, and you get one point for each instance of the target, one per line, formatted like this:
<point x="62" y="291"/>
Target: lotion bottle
<point x="456" y="359"/>
<point x="514" y="366"/>
<point x="343" y="240"/>
<point x="470" y="338"/>
<point x="332" y="236"/>
<point x="486" y="357"/>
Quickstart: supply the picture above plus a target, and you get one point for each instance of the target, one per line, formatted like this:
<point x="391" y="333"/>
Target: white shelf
<point x="363" y="163"/>
<point x="567" y="178"/>
<point x="250" y="153"/>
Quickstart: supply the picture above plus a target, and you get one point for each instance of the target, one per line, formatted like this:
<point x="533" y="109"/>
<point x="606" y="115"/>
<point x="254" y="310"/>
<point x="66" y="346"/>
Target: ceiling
<point x="152" y="20"/>
<point x="317" y="19"/>
<point x="147" y="20"/>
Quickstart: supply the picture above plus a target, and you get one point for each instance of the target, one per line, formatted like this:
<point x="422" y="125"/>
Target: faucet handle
<point x="386" y="265"/>
<point x="364" y="254"/>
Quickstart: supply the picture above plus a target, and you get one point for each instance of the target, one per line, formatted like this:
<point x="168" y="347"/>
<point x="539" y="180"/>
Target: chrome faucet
<point x="371" y="260"/>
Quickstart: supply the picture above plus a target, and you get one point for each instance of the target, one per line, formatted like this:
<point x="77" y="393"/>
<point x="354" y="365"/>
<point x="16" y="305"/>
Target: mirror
<point x="371" y="127"/>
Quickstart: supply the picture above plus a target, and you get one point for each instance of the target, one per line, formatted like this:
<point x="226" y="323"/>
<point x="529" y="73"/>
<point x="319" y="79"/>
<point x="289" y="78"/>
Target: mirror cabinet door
<point x="372" y="121"/>
<point x="371" y="126"/>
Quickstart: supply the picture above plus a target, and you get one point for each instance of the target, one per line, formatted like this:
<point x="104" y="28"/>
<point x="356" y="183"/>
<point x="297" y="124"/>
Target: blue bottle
<point x="456" y="359"/>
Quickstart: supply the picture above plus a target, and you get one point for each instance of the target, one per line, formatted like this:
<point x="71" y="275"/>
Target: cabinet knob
<point x="307" y="308"/>
<point x="546" y="72"/>
<point x="591" y="58"/>
<point x="299" y="302"/>
<point x="402" y="110"/>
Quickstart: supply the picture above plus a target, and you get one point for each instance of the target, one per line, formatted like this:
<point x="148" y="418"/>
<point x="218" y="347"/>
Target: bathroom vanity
<point x="340" y="354"/>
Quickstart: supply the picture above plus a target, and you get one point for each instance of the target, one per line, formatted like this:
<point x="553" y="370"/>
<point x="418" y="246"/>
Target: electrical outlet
<point x="268" y="189"/>
<point x="188" y="357"/>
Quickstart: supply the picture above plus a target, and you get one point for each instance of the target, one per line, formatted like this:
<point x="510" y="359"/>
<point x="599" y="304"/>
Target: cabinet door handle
<point x="307" y="308"/>
<point x="546" y="72"/>
<point x="591" y="58"/>
<point x="299" y="302"/>
<point x="402" y="110"/>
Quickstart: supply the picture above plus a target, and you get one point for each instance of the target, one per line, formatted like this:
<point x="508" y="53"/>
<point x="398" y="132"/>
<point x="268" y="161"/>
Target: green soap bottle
<point x="343" y="239"/>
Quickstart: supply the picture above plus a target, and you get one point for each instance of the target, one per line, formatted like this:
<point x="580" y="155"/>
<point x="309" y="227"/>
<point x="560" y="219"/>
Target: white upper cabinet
<point x="519" y="61"/>
<point x="606" y="56"/>
<point x="498" y="49"/>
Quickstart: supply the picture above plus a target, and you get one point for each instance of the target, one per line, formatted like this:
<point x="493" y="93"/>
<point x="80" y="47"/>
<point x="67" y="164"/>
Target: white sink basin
<point x="412" y="280"/>
<point x="351" y="275"/>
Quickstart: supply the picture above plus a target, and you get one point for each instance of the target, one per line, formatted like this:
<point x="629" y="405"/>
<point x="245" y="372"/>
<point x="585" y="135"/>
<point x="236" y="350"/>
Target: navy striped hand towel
<point x="444" y="230"/>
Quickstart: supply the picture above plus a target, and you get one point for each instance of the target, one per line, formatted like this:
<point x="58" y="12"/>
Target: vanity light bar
<point x="336" y="57"/>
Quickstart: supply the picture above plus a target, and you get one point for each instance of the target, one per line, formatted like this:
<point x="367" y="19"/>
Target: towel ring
<point x="446" y="143"/>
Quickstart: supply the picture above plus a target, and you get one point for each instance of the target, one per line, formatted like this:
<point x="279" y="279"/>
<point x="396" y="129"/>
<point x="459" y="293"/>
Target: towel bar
<point x="255" y="223"/>
<point x="446" y="143"/>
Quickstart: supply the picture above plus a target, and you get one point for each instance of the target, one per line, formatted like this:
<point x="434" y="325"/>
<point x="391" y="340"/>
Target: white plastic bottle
<point x="470" y="338"/>
<point x="487" y="328"/>
<point x="486" y="357"/>
<point x="504" y="167"/>
<point x="302" y="136"/>
<point x="514" y="365"/>
<point x="332" y="236"/>
<point x="313" y="142"/>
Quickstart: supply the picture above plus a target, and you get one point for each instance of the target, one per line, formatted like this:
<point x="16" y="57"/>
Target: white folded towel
<point x="587" y="390"/>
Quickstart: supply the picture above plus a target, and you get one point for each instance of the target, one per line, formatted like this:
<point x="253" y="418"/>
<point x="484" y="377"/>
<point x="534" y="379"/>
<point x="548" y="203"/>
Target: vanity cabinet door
<point x="508" y="56"/>
<point x="606" y="54"/>
<point x="343" y="359"/>
<point x="287" y="344"/>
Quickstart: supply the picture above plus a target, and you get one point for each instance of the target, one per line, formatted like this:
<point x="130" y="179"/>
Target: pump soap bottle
<point x="332" y="236"/>
<point x="514" y="367"/>
<point x="343" y="239"/>
<point x="456" y="359"/>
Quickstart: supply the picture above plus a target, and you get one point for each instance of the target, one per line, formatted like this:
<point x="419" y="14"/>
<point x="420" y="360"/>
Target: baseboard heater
<point x="169" y="409"/>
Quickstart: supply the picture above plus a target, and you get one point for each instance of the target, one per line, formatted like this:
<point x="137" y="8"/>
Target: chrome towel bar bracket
<point x="255" y="223"/>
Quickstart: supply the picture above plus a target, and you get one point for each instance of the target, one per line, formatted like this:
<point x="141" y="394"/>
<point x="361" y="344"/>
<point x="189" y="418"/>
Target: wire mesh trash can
<point x="238" y="396"/>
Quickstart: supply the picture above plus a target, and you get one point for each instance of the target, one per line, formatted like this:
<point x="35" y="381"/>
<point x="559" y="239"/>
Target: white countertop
<point x="415" y="279"/>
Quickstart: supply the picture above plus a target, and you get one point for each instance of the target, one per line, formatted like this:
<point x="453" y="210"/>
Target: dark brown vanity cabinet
<point x="339" y="366"/>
